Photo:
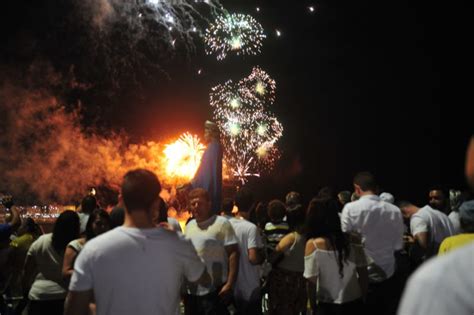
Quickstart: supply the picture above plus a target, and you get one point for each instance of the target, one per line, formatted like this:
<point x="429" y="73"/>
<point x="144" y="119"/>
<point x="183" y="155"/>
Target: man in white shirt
<point x="247" y="295"/>
<point x="136" y="268"/>
<point x="380" y="225"/>
<point x="214" y="240"/>
<point x="444" y="285"/>
<point x="428" y="226"/>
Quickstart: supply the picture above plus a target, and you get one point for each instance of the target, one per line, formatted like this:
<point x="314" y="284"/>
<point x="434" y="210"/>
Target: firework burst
<point x="239" y="33"/>
<point x="249" y="130"/>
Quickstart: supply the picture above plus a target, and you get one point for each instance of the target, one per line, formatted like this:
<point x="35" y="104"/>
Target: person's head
<point x="140" y="191"/>
<point x="117" y="216"/>
<point x="407" y="208"/>
<point x="344" y="197"/>
<point x="466" y="216"/>
<point x="276" y="211"/>
<point x="322" y="221"/>
<point x="244" y="200"/>
<point x="200" y="204"/>
<point x="326" y="192"/>
<point x="28" y="226"/>
<point x="387" y="197"/>
<point x="227" y="206"/>
<point x="292" y="198"/>
<point x="88" y="204"/>
<point x="354" y="197"/>
<point x="365" y="183"/>
<point x="261" y="215"/>
<point x="438" y="199"/>
<point x="211" y="131"/>
<point x="66" y="229"/>
<point x="295" y="216"/>
<point x="98" y="223"/>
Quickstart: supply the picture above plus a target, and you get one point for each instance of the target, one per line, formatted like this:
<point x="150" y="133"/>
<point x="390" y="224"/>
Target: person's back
<point x="136" y="271"/>
<point x="381" y="227"/>
<point x="293" y="259"/>
<point x="443" y="285"/>
<point x="248" y="279"/>
<point x="439" y="225"/>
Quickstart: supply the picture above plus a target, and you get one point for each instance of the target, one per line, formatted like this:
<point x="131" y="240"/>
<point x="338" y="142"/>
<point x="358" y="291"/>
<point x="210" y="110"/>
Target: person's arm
<point x="422" y="239"/>
<point x="77" y="302"/>
<point x="346" y="222"/>
<point x="256" y="256"/>
<point x="279" y="253"/>
<point x="310" y="270"/>
<point x="233" y="258"/>
<point x="16" y="220"/>
<point x="68" y="263"/>
<point x="255" y="246"/>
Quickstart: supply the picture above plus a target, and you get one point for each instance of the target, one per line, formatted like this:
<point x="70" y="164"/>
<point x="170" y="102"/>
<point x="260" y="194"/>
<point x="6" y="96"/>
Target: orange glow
<point x="182" y="157"/>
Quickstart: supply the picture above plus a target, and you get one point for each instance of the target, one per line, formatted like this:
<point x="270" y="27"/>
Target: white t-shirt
<point x="210" y="239"/>
<point x="247" y="286"/>
<point x="136" y="271"/>
<point x="331" y="288"/>
<point x="83" y="218"/>
<point x="433" y="221"/>
<point x="381" y="226"/>
<point x="48" y="284"/>
<point x="454" y="218"/>
<point x="443" y="285"/>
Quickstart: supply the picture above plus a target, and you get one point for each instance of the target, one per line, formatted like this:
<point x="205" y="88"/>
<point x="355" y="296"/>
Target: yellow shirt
<point x="456" y="241"/>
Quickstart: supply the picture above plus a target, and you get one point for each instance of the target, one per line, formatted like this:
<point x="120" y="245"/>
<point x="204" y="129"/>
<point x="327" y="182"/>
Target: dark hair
<point x="66" y="229"/>
<point x="227" y="205"/>
<point x="292" y="198"/>
<point x="244" y="200"/>
<point x="404" y="203"/>
<point x="88" y="204"/>
<point x="259" y="215"/>
<point x="276" y="210"/>
<point x="162" y="211"/>
<point x="92" y="217"/>
<point x="295" y="216"/>
<point x="140" y="188"/>
<point x="366" y="181"/>
<point x="117" y="216"/>
<point x="322" y="220"/>
<point x="326" y="192"/>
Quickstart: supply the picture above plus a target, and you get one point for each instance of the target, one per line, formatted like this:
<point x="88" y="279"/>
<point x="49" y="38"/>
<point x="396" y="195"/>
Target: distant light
<point x="194" y="29"/>
<point x="140" y="15"/>
<point x="154" y="1"/>
<point x="260" y="88"/>
<point x="311" y="9"/>
<point x="236" y="43"/>
<point x="234" y="103"/>
<point x="258" y="9"/>
<point x="173" y="42"/>
<point x="278" y="33"/>
<point x="199" y="71"/>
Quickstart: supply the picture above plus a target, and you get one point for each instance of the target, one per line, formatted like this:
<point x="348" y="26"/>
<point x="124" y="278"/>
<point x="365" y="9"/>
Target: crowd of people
<point x="338" y="254"/>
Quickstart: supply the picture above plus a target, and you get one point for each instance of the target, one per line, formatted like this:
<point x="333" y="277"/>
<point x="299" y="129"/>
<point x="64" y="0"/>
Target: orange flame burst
<point x="182" y="157"/>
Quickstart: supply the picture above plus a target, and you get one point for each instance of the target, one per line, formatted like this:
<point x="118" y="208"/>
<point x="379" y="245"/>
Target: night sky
<point x="361" y="85"/>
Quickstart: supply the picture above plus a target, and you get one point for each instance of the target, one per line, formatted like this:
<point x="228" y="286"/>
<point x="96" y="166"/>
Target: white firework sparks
<point x="239" y="33"/>
<point x="249" y="130"/>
